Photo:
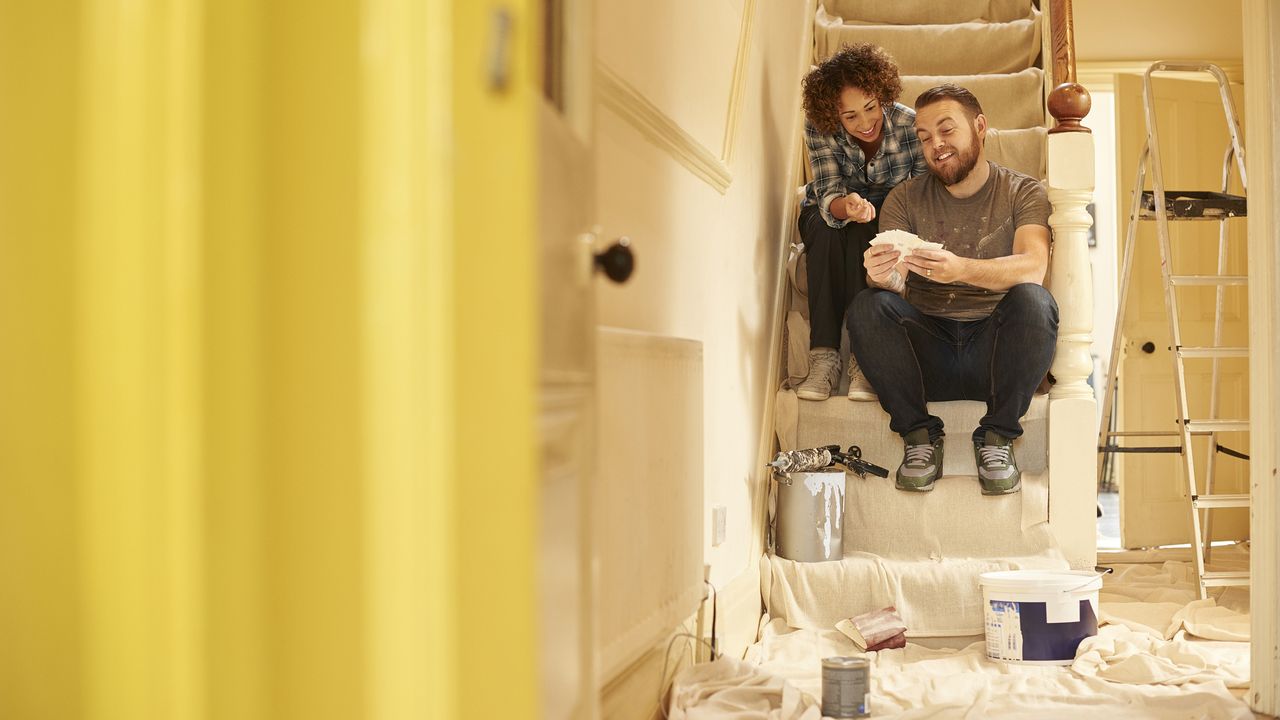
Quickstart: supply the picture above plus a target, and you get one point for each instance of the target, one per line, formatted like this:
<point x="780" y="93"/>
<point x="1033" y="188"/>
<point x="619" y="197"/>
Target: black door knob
<point x="1148" y="347"/>
<point x="617" y="261"/>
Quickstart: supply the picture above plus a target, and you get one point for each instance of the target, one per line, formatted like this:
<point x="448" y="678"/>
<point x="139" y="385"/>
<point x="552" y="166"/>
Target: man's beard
<point x="964" y="164"/>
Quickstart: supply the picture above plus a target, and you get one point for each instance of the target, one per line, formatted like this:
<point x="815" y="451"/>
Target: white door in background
<point x="1193" y="139"/>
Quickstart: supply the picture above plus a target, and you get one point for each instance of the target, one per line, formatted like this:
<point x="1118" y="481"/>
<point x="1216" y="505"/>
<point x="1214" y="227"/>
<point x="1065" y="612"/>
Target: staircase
<point x="922" y="553"/>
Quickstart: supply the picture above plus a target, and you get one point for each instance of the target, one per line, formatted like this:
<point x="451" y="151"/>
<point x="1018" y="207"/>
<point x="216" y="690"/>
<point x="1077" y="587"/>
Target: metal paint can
<point x="846" y="686"/>
<point x="810" y="517"/>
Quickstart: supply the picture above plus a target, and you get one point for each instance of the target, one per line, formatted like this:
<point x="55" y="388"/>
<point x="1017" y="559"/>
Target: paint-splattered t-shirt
<point x="980" y="226"/>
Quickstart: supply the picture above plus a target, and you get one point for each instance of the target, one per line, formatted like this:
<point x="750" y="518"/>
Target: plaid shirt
<point x="840" y="168"/>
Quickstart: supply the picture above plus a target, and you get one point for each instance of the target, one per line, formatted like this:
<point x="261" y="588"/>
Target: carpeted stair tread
<point x="967" y="48"/>
<point x="1022" y="149"/>
<point x="1009" y="100"/>
<point x="898" y="12"/>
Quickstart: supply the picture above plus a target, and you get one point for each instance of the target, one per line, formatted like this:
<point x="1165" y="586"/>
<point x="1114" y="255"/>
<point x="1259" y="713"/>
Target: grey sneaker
<point x="998" y="472"/>
<point x="859" y="388"/>
<point x="921" y="462"/>
<point x="824" y="375"/>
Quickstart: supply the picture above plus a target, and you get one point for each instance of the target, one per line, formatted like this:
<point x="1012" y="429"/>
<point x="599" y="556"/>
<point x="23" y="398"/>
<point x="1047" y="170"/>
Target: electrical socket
<point x="718" y="513"/>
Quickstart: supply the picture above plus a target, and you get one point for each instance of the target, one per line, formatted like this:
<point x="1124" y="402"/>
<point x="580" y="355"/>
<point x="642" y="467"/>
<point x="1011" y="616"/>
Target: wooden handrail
<point x="1069" y="102"/>
<point x="1063" y="33"/>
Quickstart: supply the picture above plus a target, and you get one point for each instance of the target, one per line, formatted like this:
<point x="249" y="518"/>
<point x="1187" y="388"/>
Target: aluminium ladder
<point x="1165" y="206"/>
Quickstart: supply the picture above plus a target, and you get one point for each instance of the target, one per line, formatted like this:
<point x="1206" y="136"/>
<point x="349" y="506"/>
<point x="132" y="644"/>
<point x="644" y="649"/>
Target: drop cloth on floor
<point x="915" y="682"/>
<point x="1145" y="662"/>
<point x="1161" y="599"/>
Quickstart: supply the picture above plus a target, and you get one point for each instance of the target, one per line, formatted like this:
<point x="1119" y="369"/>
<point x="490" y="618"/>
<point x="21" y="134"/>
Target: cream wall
<point x="707" y="261"/>
<point x="1157" y="30"/>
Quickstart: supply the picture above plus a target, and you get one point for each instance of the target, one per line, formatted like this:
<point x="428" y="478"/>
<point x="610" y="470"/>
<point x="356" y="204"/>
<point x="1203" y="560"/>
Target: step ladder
<point x="1166" y="206"/>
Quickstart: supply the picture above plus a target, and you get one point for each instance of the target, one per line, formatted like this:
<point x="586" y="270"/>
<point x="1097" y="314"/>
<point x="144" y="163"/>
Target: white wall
<point x="706" y="261"/>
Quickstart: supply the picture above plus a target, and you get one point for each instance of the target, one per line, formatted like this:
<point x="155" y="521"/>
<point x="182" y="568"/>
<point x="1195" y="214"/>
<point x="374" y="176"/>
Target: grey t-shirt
<point x="980" y="226"/>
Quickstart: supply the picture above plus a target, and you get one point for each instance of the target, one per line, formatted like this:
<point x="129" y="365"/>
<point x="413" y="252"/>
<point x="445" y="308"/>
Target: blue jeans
<point x="911" y="358"/>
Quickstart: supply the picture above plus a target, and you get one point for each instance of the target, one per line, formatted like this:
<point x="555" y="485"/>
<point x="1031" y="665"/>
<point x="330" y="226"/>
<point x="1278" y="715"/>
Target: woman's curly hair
<point x="864" y="66"/>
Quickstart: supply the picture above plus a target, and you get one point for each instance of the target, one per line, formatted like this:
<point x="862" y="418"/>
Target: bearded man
<point x="971" y="321"/>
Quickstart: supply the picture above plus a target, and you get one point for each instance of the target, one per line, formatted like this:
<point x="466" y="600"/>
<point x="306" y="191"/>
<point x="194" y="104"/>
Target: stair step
<point x="1222" y="579"/>
<point x="905" y="13"/>
<point x="1203" y="427"/>
<point x="886" y="522"/>
<point x="936" y="49"/>
<point x="1220" y="501"/>
<point x="1020" y="105"/>
<point x="935" y="596"/>
<point x="1213" y="352"/>
<point x="840" y="421"/>
<point x="1186" y="280"/>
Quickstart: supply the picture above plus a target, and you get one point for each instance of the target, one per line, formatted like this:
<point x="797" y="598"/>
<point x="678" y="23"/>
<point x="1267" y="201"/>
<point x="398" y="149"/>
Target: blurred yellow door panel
<point x="268" y="360"/>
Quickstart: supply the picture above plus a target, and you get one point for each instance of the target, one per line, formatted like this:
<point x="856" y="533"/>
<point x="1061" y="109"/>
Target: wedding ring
<point x="928" y="272"/>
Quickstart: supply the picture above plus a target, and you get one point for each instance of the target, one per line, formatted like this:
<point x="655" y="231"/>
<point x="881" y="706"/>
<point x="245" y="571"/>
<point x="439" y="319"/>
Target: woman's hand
<point x="856" y="208"/>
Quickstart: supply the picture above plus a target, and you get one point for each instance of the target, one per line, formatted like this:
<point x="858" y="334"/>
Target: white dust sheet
<point x="1159" y="653"/>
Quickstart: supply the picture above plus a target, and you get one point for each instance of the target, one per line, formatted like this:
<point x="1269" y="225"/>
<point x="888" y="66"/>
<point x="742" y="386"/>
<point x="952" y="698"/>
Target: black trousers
<point x="836" y="274"/>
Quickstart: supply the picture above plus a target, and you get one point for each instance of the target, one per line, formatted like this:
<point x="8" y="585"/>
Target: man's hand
<point x="853" y="207"/>
<point x="941" y="266"/>
<point x="880" y="261"/>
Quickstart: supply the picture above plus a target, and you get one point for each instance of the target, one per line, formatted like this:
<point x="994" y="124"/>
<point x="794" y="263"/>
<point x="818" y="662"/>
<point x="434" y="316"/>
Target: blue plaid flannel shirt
<point x="839" y="166"/>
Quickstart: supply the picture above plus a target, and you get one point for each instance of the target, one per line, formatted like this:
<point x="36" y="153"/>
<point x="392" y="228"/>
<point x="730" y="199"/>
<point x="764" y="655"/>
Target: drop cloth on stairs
<point x="919" y="552"/>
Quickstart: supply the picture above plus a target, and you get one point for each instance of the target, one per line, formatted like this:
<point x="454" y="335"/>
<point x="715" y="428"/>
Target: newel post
<point x="1071" y="178"/>
<point x="1072" y="410"/>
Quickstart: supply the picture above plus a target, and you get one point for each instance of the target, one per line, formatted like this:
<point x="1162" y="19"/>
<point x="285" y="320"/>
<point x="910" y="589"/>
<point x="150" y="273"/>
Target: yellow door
<point x="269" y="430"/>
<point x="1193" y="138"/>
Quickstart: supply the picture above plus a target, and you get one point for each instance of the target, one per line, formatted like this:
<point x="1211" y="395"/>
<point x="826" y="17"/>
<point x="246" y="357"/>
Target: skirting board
<point x="633" y="694"/>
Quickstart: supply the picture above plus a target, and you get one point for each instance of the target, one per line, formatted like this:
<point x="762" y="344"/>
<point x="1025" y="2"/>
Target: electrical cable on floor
<point x="666" y="658"/>
<point x="711" y="646"/>
<point x="715" y="598"/>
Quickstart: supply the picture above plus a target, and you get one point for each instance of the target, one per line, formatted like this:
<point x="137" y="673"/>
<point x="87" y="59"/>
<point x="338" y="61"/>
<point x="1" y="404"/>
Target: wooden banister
<point x="1063" y="34"/>
<point x="1069" y="102"/>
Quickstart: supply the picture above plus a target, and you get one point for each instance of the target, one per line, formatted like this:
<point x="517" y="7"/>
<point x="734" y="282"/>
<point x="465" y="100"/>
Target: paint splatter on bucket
<point x="810" y="519"/>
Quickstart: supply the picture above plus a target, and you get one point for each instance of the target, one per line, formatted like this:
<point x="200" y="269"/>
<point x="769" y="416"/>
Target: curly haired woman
<point x="861" y="144"/>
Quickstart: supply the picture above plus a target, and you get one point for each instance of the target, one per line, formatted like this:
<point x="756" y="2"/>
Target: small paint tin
<point x="846" y="684"/>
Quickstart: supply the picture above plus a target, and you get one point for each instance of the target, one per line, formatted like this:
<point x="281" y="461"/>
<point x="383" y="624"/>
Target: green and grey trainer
<point x="997" y="468"/>
<point x="921" y="462"/>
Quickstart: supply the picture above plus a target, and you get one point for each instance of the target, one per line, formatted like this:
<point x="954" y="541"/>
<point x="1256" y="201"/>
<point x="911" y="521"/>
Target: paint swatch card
<point x="904" y="242"/>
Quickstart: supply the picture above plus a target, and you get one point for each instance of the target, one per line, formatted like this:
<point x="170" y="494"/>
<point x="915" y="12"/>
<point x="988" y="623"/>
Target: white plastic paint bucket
<point x="1039" y="617"/>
